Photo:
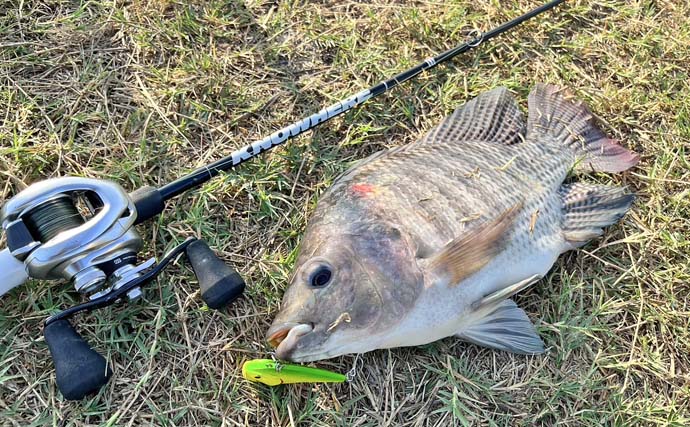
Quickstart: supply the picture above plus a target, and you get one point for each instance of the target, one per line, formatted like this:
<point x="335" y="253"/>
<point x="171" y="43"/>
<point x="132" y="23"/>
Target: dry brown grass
<point x="141" y="92"/>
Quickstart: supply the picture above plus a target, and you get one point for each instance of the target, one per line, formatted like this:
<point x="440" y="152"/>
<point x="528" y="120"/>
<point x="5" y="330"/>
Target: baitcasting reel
<point x="81" y="230"/>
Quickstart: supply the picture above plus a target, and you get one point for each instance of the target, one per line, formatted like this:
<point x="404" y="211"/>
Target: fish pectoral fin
<point x="471" y="251"/>
<point x="506" y="327"/>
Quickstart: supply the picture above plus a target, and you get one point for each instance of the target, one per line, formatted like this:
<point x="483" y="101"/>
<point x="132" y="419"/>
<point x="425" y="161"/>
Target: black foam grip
<point x="78" y="368"/>
<point x="148" y="202"/>
<point x="220" y="285"/>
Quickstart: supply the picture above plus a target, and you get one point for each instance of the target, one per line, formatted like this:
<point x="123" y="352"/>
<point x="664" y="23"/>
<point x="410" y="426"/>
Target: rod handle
<point x="12" y="272"/>
<point x="220" y="285"/>
<point x="148" y="202"/>
<point x="79" y="369"/>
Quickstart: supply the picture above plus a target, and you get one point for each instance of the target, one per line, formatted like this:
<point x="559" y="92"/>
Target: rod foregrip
<point x="148" y="202"/>
<point x="220" y="285"/>
<point x="80" y="371"/>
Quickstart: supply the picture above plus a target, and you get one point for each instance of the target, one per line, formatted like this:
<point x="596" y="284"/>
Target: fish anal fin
<point x="471" y="251"/>
<point x="588" y="208"/>
<point x="493" y="116"/>
<point x="506" y="327"/>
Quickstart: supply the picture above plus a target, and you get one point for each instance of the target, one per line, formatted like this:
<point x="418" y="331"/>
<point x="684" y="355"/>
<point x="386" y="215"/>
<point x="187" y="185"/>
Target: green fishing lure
<point x="272" y="372"/>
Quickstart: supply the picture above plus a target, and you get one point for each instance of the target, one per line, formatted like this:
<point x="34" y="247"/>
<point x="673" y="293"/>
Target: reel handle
<point x="220" y="285"/>
<point x="79" y="369"/>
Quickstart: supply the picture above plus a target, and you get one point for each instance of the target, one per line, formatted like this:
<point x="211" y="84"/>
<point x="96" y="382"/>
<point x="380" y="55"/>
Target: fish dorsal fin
<point x="493" y="116"/>
<point x="555" y="112"/>
<point x="506" y="327"/>
<point x="469" y="252"/>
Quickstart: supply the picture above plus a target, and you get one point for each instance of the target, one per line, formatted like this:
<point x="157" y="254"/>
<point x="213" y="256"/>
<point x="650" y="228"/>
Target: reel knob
<point x="220" y="285"/>
<point x="79" y="369"/>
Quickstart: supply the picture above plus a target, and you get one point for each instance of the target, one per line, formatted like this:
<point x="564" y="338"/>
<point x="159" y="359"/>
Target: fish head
<point x="346" y="289"/>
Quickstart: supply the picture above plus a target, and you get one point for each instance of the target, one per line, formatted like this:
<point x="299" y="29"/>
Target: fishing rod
<point x="279" y="137"/>
<point x="81" y="230"/>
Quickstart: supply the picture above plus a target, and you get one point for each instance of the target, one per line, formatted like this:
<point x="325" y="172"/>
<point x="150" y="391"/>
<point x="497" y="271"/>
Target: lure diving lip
<point x="272" y="373"/>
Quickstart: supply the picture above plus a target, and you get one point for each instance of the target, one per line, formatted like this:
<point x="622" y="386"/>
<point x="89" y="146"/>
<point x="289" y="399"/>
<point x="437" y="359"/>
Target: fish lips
<point x="284" y="337"/>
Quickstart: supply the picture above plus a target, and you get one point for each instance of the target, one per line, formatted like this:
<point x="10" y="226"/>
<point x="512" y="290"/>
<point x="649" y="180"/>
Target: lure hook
<point x="352" y="373"/>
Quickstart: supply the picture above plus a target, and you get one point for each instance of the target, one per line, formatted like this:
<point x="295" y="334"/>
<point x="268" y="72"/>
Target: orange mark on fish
<point x="363" y="189"/>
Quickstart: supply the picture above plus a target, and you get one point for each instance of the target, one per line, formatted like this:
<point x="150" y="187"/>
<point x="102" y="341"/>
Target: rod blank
<point x="205" y="173"/>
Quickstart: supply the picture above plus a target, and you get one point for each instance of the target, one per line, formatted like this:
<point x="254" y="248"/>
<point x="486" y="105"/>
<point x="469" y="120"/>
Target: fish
<point x="432" y="239"/>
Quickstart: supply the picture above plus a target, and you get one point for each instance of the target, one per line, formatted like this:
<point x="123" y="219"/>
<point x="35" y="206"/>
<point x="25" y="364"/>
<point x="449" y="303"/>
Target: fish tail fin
<point x="553" y="111"/>
<point x="589" y="208"/>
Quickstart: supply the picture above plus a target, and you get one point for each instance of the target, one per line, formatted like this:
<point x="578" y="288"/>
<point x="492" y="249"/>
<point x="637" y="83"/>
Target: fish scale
<point x="432" y="239"/>
<point x="454" y="196"/>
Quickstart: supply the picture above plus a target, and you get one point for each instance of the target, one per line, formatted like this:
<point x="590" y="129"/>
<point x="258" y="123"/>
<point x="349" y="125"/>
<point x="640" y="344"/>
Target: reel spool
<point x="81" y="230"/>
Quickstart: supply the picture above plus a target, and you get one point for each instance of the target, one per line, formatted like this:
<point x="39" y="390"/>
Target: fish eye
<point x="320" y="277"/>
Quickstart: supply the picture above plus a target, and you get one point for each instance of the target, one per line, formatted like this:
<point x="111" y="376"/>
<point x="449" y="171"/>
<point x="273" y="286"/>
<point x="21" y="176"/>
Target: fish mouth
<point x="284" y="337"/>
<point x="277" y="333"/>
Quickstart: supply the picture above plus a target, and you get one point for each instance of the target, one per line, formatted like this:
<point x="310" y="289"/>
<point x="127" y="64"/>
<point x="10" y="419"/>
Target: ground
<point x="140" y="92"/>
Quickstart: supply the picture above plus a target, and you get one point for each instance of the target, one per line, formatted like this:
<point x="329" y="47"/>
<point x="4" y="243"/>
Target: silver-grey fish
<point x="431" y="239"/>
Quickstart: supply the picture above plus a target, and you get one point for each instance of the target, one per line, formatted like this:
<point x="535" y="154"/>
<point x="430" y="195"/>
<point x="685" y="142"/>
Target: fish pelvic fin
<point x="553" y="111"/>
<point x="503" y="326"/>
<point x="506" y="292"/>
<point x="493" y="116"/>
<point x="471" y="251"/>
<point x="589" y="208"/>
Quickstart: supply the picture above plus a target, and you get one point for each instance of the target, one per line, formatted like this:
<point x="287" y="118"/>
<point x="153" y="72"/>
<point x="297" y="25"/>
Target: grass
<point x="142" y="92"/>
